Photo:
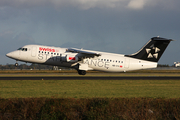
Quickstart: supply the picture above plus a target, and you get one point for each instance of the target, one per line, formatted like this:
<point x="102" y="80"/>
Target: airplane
<point x="84" y="60"/>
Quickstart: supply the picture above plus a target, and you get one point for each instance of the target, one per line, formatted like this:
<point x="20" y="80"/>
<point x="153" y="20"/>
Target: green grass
<point x="155" y="72"/>
<point x="88" y="74"/>
<point x="90" y="88"/>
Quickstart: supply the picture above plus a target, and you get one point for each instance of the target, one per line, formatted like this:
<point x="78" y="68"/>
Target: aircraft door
<point x="33" y="51"/>
<point x="126" y="64"/>
<point x="19" y="54"/>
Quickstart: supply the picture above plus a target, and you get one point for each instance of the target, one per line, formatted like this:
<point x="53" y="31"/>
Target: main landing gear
<point x="81" y="72"/>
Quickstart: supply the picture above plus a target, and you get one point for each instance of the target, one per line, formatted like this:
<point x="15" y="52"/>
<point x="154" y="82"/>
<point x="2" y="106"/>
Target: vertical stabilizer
<point x="153" y="49"/>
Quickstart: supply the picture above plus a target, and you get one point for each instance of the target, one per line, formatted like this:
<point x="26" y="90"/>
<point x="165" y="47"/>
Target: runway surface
<point x="93" y="78"/>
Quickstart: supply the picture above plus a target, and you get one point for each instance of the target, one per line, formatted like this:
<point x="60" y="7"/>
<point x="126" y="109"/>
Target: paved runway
<point x="93" y="78"/>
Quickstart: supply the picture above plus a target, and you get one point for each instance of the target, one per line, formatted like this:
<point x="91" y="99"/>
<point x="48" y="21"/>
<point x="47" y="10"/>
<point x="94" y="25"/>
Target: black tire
<point x="81" y="72"/>
<point x="16" y="64"/>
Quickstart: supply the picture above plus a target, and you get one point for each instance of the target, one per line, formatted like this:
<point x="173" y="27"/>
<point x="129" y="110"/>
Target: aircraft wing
<point x="85" y="53"/>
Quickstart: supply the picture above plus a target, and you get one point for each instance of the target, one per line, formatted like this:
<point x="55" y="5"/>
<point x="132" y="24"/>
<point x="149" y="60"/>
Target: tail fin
<point x="153" y="50"/>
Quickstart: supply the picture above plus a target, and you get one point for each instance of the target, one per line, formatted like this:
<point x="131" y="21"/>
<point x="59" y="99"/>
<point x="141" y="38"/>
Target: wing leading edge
<point x="84" y="52"/>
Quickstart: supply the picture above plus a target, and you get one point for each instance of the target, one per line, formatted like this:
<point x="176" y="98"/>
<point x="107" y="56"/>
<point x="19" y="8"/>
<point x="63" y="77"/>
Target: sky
<point x="117" y="26"/>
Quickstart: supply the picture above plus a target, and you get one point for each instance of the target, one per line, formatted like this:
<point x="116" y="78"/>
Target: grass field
<point x="90" y="88"/>
<point x="12" y="73"/>
<point x="94" y="99"/>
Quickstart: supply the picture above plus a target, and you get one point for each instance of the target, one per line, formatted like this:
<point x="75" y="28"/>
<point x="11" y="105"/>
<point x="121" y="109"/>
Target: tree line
<point x="25" y="66"/>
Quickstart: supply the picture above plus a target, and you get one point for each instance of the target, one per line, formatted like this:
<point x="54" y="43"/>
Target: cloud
<point x="84" y="4"/>
<point x="58" y="4"/>
<point x="88" y="4"/>
<point x="154" y="4"/>
<point x="103" y="25"/>
<point x="136" y="4"/>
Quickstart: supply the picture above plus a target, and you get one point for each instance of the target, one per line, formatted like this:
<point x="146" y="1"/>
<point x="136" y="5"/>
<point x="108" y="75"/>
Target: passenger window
<point x="121" y="61"/>
<point x="104" y="59"/>
<point x="54" y="53"/>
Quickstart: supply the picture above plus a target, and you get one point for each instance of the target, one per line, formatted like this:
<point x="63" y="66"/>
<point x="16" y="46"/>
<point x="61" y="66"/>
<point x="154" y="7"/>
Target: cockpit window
<point x="19" y="49"/>
<point x="22" y="49"/>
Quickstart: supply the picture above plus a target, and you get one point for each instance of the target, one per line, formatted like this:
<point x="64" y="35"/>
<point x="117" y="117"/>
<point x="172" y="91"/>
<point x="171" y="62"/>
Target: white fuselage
<point x="57" y="56"/>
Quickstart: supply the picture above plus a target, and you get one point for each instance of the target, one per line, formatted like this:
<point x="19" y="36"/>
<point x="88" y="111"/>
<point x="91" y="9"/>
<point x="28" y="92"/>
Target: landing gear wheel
<point x="16" y="64"/>
<point x="81" y="72"/>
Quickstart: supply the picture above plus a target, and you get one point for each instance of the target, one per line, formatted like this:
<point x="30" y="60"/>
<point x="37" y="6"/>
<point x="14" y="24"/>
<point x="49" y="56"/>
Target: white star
<point x="150" y="55"/>
<point x="157" y="50"/>
<point x="155" y="55"/>
<point x="148" y="50"/>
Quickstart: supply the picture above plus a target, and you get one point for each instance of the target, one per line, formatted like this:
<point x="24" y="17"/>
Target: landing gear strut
<point x="81" y="72"/>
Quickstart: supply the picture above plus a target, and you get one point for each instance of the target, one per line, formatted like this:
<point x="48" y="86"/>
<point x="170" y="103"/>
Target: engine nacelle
<point x="71" y="58"/>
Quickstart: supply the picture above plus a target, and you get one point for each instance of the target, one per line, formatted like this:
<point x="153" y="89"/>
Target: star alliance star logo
<point x="152" y="52"/>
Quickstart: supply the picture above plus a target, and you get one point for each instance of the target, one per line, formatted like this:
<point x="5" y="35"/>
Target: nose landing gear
<point x="16" y="64"/>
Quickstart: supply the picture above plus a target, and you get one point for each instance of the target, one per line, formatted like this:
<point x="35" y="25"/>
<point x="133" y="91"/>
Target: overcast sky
<point x="118" y="26"/>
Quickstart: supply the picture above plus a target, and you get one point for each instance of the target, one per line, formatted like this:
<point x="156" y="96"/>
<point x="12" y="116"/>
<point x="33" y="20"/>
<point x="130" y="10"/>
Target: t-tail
<point x="153" y="50"/>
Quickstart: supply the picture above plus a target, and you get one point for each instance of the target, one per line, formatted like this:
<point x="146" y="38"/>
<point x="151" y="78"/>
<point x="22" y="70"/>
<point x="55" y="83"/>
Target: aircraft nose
<point x="10" y="55"/>
<point x="13" y="55"/>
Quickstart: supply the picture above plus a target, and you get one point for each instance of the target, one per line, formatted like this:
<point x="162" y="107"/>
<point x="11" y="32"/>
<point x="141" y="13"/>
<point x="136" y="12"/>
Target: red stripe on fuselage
<point x="72" y="58"/>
